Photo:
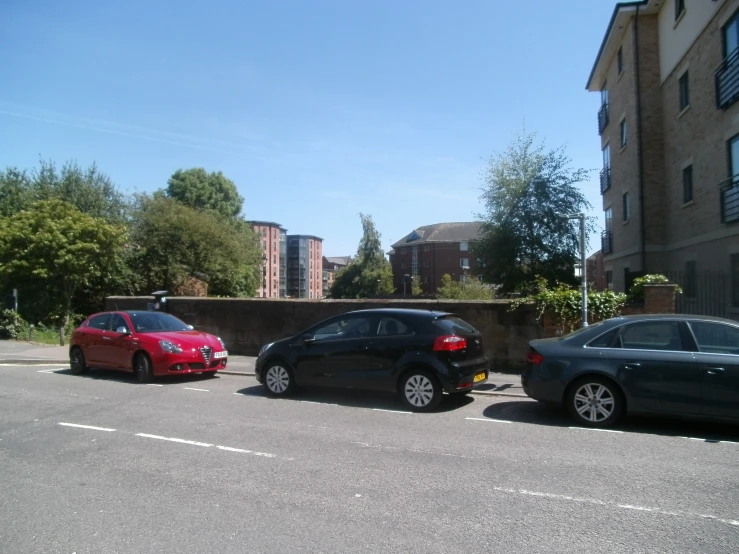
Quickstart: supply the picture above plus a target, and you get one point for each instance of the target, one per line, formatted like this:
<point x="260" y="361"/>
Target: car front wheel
<point x="142" y="368"/>
<point x="77" y="361"/>
<point x="420" y="391"/>
<point x="595" y="402"/>
<point x="278" y="379"/>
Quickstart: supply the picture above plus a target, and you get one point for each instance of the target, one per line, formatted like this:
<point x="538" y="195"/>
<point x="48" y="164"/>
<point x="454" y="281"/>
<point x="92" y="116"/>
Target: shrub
<point x="636" y="293"/>
<point x="11" y="325"/>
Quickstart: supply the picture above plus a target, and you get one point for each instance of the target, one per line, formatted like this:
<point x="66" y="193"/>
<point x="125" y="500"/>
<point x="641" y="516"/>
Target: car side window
<point x="344" y="328"/>
<point x="390" y="327"/>
<point x="657" y="335"/>
<point x="118" y="322"/>
<point x="716" y="338"/>
<point x="605" y="340"/>
<point x="99" y="322"/>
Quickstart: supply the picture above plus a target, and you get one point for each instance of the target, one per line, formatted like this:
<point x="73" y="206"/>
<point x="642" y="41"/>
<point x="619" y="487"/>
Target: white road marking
<point x="595" y="429"/>
<point x="29" y="364"/>
<point x="230" y="449"/>
<point x="51" y="370"/>
<point x="201" y="390"/>
<point x="391" y="411"/>
<point x="593" y="501"/>
<point x="709" y="440"/>
<point x="172" y="439"/>
<point x="488" y="419"/>
<point x="154" y="385"/>
<point x="86" y="427"/>
<point x="310" y="402"/>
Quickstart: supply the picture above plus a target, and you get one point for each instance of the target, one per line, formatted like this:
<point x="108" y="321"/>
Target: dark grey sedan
<point x="665" y="365"/>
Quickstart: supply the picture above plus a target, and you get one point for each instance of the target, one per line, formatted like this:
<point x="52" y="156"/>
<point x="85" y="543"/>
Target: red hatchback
<point x="147" y="343"/>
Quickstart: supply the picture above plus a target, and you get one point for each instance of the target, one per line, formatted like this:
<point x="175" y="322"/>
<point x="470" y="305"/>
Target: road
<point x="100" y="464"/>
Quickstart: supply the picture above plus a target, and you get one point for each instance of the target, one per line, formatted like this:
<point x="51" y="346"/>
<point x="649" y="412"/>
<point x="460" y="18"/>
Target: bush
<point x="636" y="293"/>
<point x="11" y="325"/>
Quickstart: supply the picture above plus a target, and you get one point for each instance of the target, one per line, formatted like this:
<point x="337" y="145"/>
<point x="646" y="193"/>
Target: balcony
<point x="605" y="179"/>
<point x="606" y="242"/>
<point x="602" y="118"/>
<point x="730" y="200"/>
<point x="727" y="81"/>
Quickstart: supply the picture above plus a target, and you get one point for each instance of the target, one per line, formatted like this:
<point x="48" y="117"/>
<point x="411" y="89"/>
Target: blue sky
<point x="316" y="110"/>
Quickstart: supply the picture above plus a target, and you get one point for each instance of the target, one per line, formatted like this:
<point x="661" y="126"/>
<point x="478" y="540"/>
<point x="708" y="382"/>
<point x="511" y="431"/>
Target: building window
<point x="464" y="246"/>
<point x="684" y="85"/>
<point x="688" y="184"/>
<point x="414" y="261"/>
<point x="464" y="263"/>
<point x="623" y="133"/>
<point x="607" y="156"/>
<point x="627" y="208"/>
<point x="620" y="60"/>
<point x="604" y="95"/>
<point x="264" y="245"/>
<point x="609" y="280"/>
<point x="735" y="279"/>
<point x="689" y="279"/>
<point x="679" y="8"/>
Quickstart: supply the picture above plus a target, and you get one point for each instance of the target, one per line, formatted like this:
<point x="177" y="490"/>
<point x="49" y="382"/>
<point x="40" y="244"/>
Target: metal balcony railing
<point x="605" y="179"/>
<point x="606" y="242"/>
<point x="727" y="81"/>
<point x="602" y="118"/>
<point x="730" y="200"/>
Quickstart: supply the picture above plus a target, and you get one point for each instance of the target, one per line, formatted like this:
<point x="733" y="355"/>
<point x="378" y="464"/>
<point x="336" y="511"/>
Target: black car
<point x="666" y="365"/>
<point x="417" y="353"/>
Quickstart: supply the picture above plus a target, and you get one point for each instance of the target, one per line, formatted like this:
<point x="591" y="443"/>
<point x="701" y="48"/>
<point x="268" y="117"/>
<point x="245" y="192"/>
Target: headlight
<point x="264" y="348"/>
<point x="170" y="347"/>
<point x="223" y="344"/>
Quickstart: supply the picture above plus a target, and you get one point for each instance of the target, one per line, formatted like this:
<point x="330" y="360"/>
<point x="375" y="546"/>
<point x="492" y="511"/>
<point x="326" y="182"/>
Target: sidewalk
<point x="14" y="352"/>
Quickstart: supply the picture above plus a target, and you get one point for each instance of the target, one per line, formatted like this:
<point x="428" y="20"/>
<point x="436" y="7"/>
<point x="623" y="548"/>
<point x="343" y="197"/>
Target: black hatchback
<point x="417" y="353"/>
<point x="666" y="365"/>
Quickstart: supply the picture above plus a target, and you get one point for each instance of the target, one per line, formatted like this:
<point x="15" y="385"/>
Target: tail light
<point x="534" y="357"/>
<point x="449" y="343"/>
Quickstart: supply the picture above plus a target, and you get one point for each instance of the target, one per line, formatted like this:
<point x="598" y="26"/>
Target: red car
<point x="146" y="343"/>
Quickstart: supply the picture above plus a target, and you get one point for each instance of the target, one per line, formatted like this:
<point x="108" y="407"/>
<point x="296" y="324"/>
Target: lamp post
<point x="264" y="275"/>
<point x="405" y="280"/>
<point x="583" y="272"/>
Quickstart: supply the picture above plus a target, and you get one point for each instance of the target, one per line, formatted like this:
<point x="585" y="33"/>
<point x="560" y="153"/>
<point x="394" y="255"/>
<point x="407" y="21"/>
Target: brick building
<point x="330" y="267"/>
<point x="668" y="75"/>
<point x="596" y="274"/>
<point x="274" y="258"/>
<point x="429" y="252"/>
<point x="304" y="266"/>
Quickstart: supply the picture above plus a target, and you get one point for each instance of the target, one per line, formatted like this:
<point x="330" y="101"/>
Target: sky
<point x="318" y="110"/>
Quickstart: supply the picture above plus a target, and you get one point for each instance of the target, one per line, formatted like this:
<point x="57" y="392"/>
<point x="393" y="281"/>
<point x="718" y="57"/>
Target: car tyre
<point x="278" y="379"/>
<point x="595" y="401"/>
<point x="142" y="368"/>
<point x="77" y="362"/>
<point x="420" y="391"/>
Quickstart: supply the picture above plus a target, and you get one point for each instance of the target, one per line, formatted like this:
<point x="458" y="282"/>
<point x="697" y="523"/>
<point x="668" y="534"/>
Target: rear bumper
<point x="462" y="376"/>
<point x="537" y="385"/>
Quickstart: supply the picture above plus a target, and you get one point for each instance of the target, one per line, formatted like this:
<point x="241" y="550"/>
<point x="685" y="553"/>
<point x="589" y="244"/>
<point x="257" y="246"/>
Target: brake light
<point x="534" y="357"/>
<point x="450" y="343"/>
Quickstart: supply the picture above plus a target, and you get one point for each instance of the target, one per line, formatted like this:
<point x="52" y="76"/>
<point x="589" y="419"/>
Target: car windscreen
<point x="153" y="322"/>
<point x="455" y="326"/>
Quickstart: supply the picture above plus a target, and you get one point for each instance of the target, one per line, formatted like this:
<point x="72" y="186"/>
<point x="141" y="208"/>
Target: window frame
<point x="713" y="324"/>
<point x="622" y="132"/>
<point x="677" y="323"/>
<point x="683" y="85"/>
<point x="688" y="184"/>
<point x="107" y="317"/>
<point x="620" y="60"/>
<point x="626" y="206"/>
<point x="679" y="8"/>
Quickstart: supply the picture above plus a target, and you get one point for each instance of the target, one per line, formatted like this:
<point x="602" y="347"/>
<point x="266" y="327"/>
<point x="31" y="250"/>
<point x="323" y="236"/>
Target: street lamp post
<point x="264" y="275"/>
<point x="583" y="272"/>
<point x="405" y="280"/>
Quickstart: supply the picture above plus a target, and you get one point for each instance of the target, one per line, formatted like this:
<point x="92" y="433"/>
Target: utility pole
<point x="583" y="271"/>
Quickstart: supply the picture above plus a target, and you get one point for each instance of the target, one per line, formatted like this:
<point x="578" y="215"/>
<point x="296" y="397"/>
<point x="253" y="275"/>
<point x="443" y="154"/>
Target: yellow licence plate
<point x="480" y="377"/>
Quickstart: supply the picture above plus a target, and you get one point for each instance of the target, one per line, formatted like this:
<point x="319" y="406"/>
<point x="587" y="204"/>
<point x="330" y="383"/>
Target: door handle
<point x="632" y="365"/>
<point x="106" y="338"/>
<point x="714" y="370"/>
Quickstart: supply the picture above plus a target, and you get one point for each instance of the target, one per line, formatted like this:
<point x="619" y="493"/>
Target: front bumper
<point x="186" y="362"/>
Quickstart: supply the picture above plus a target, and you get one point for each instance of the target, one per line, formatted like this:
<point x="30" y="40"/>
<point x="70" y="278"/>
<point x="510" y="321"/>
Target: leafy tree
<point x="173" y="242"/>
<point x="471" y="289"/>
<point x="370" y="274"/>
<point x="51" y="251"/>
<point x="523" y="235"/>
<point x="416" y="289"/>
<point x="201" y="190"/>
<point x="15" y="191"/>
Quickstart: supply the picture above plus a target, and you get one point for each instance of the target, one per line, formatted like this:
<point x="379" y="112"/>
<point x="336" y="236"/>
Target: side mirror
<point x="190" y="327"/>
<point x="308" y="339"/>
<point x="123" y="331"/>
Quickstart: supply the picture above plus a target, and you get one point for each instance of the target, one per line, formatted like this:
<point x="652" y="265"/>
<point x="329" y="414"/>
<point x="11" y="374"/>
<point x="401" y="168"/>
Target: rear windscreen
<point x="455" y="326"/>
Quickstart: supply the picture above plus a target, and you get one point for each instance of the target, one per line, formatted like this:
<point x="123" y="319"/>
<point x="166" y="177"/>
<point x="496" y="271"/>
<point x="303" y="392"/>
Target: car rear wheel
<point x="595" y="402"/>
<point x="142" y="368"/>
<point x="77" y="361"/>
<point x="278" y="379"/>
<point x="420" y="391"/>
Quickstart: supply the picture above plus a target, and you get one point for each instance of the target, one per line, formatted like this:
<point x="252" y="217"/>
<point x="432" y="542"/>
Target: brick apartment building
<point x="668" y="75"/>
<point x="330" y="267"/>
<point x="596" y="274"/>
<point x="272" y="238"/>
<point x="429" y="252"/>
<point x="304" y="266"/>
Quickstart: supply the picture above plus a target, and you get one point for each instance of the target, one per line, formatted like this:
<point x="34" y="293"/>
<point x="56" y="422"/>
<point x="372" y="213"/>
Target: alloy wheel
<point x="277" y="379"/>
<point x="419" y="391"/>
<point x="594" y="402"/>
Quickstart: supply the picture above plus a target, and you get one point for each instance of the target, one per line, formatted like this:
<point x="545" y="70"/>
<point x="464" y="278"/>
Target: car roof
<point x="432" y="314"/>
<point x="679" y="317"/>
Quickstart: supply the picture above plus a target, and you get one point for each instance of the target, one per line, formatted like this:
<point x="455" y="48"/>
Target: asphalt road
<point x="101" y="464"/>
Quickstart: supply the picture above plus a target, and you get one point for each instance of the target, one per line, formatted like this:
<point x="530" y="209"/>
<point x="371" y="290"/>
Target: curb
<point x="34" y="362"/>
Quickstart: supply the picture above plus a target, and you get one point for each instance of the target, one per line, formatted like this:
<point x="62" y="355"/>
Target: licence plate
<point x="479" y="377"/>
<point x="223" y="354"/>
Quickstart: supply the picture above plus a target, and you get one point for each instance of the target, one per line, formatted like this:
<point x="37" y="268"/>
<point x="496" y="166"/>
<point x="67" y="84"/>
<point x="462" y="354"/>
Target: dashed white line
<point x="92" y="427"/>
<point x="201" y="390"/>
<point x="596" y="429"/>
<point x="488" y="419"/>
<point x="50" y="370"/>
<point x="154" y="385"/>
<point x="593" y="501"/>
<point x="230" y="449"/>
<point x="172" y="439"/>
<point x="391" y="411"/>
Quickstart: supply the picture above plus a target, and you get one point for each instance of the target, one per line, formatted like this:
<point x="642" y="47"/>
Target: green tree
<point x="471" y="289"/>
<point x="173" y="242"/>
<point x="416" y="289"/>
<point x="523" y="236"/>
<point x="201" y="190"/>
<point x="52" y="250"/>
<point x="15" y="191"/>
<point x="370" y="274"/>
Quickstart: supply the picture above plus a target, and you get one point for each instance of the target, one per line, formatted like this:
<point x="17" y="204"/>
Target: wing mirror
<point x="308" y="339"/>
<point x="123" y="330"/>
<point x="190" y="327"/>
